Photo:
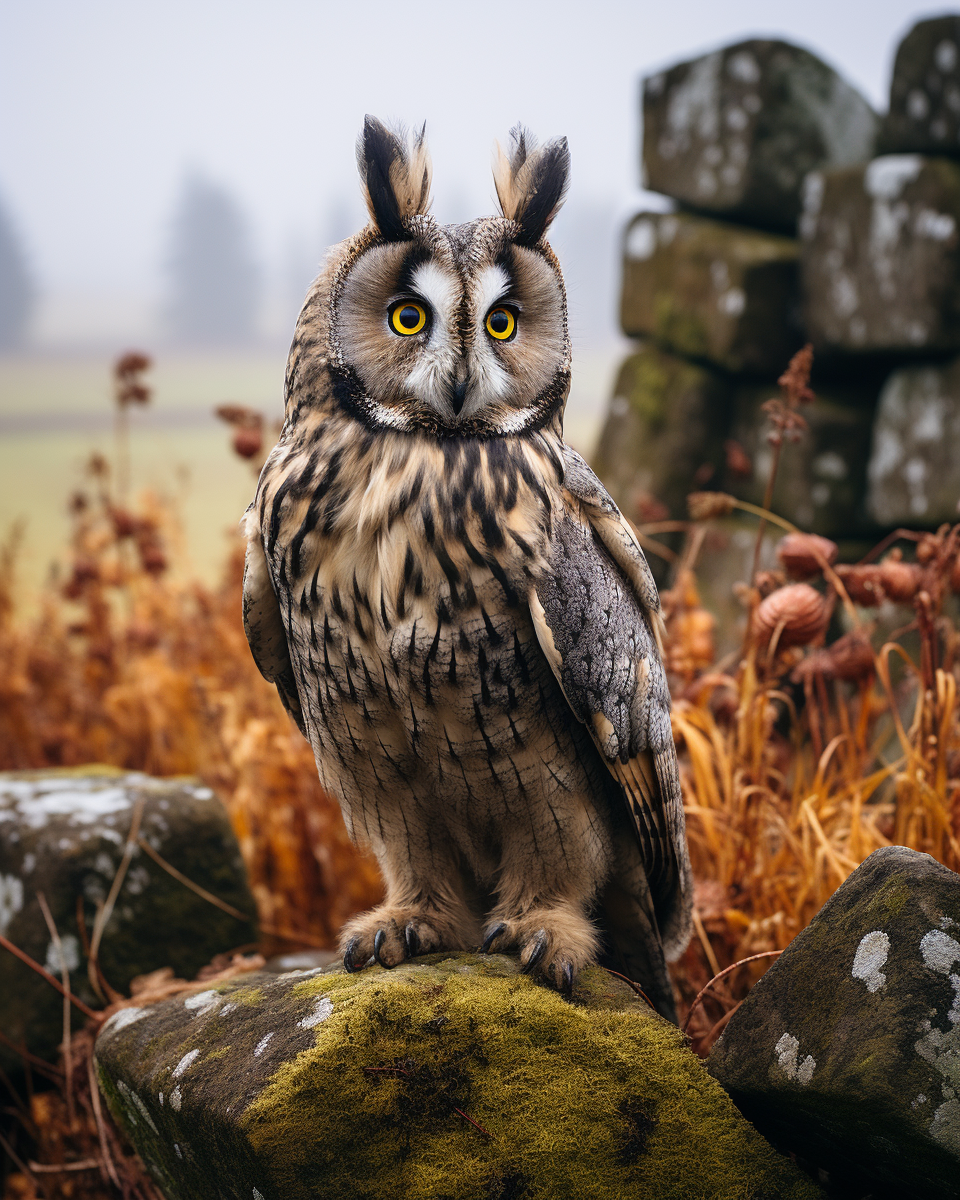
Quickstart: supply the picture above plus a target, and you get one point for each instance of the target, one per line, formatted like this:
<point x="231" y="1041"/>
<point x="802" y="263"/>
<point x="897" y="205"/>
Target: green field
<point x="56" y="411"/>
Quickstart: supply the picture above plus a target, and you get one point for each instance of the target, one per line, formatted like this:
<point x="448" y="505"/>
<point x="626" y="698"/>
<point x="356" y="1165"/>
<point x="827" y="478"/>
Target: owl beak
<point x="458" y="394"/>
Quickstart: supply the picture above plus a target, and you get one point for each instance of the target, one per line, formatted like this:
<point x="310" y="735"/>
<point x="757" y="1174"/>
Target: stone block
<point x="914" y="471"/>
<point x="452" y="1076"/>
<point x="822" y="478"/>
<point x="735" y="132"/>
<point x="847" y="1052"/>
<point x="880" y="260"/>
<point x="924" y="114"/>
<point x="666" y="422"/>
<point x="63" y="834"/>
<point x="711" y="290"/>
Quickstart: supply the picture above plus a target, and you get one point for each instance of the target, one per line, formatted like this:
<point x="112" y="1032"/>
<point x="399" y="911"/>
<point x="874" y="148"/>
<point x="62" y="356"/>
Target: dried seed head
<point x="901" y="581"/>
<point x="798" y="611"/>
<point x="702" y="506"/>
<point x="849" y="657"/>
<point x="863" y="583"/>
<point x="768" y="581"/>
<point x="803" y="554"/>
<point x="248" y="442"/>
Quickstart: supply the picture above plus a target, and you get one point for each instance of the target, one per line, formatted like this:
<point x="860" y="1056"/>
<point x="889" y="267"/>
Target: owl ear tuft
<point x="396" y="174"/>
<point x="531" y="183"/>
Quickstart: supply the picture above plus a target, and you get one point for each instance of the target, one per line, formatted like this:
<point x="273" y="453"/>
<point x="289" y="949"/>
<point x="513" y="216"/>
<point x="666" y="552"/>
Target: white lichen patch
<point x="11" y="899"/>
<point x="787" y="1052"/>
<point x="942" y="1049"/>
<point x="67" y="956"/>
<point x="176" y="1098"/>
<point x="641" y="240"/>
<point x="920" y="1099"/>
<point x="83" y="801"/>
<point x="177" y="1151"/>
<point x="871" y="955"/>
<point x="887" y="176"/>
<point x="257" y="1195"/>
<point x="262" y="1044"/>
<point x="123" y="1018"/>
<point x="321" y="1010"/>
<point x="202" y="1002"/>
<point x="184" y="1064"/>
<point x="135" y="1106"/>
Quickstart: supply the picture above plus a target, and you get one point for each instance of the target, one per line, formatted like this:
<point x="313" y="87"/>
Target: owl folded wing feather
<point x="263" y="623"/>
<point x="597" y="617"/>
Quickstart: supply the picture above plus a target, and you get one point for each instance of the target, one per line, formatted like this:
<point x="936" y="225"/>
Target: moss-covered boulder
<point x="712" y="290"/>
<point x="924" y="113"/>
<point x="848" y="1050"/>
<point x="880" y="257"/>
<point x="734" y="132"/>
<point x="449" y="1077"/>
<point x="914" y="472"/>
<point x="666" y="422"/>
<point x="63" y="835"/>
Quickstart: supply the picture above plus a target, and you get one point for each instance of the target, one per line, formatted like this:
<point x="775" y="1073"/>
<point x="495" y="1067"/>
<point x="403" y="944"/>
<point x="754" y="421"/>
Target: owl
<point x="451" y="606"/>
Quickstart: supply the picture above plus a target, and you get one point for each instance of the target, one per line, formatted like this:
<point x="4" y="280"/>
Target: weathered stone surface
<point x="711" y="290"/>
<point x="924" y="114"/>
<point x="331" y="1085"/>
<point x="821" y="480"/>
<point x="63" y="833"/>
<point x="666" y="420"/>
<point x="914" y="472"/>
<point x="848" y="1050"/>
<point x="734" y="132"/>
<point x="880" y="260"/>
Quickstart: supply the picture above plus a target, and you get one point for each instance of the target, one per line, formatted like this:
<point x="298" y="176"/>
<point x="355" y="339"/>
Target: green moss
<point x="680" y="326"/>
<point x="583" y="1099"/>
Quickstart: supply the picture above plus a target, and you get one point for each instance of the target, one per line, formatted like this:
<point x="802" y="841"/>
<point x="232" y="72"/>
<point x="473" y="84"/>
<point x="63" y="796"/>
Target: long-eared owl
<point x="452" y="608"/>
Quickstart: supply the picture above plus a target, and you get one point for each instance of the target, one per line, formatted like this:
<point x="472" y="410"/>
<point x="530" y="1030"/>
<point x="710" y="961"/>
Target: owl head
<point x="455" y="330"/>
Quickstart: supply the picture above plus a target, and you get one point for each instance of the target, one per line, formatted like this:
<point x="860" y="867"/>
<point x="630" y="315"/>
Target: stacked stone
<point x="712" y="291"/>
<point x="881" y="273"/>
<point x="789" y="228"/>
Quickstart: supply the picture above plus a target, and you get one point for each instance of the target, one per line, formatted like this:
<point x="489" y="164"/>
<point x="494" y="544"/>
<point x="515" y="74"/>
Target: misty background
<point x="170" y="176"/>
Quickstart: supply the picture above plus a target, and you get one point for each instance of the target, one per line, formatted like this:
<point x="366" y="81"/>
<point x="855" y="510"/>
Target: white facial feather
<point x="429" y="379"/>
<point x="493" y="283"/>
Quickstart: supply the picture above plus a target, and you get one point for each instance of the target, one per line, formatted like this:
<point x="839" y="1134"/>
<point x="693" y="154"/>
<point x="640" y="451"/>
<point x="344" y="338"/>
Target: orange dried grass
<point x="127" y="666"/>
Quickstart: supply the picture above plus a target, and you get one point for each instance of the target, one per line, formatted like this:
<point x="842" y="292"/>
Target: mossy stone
<point x="453" y="1077"/>
<point x="924" y="115"/>
<point x="665" y="423"/>
<point x="880" y="259"/>
<point x="712" y="290"/>
<point x="734" y="132"/>
<point x="63" y="833"/>
<point x="847" y="1051"/>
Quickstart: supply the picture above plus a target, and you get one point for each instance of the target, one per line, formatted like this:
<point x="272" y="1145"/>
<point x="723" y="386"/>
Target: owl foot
<point x="553" y="943"/>
<point x="389" y="936"/>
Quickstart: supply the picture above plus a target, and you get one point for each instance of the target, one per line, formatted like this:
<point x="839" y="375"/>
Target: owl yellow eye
<point x="407" y="317"/>
<point x="501" y="324"/>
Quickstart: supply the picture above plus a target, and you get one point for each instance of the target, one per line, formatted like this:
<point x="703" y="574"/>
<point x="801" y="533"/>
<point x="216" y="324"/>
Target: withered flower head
<point x="863" y="583"/>
<point x="849" y="657"/>
<point x="798" y="610"/>
<point x="900" y="581"/>
<point x="803" y="554"/>
<point x="248" y="442"/>
<point x="703" y="506"/>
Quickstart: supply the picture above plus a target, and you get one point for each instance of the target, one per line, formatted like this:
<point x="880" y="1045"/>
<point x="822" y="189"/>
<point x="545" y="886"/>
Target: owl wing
<point x="597" y="617"/>
<point x="263" y="623"/>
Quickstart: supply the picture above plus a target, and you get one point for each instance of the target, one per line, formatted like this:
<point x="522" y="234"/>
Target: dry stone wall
<point x="800" y="215"/>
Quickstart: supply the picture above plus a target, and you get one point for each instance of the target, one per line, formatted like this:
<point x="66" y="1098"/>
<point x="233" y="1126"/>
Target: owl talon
<point x="412" y="940"/>
<point x="492" y="937"/>
<point x="538" y="951"/>
<point x="378" y="941"/>
<point x="349" y="965"/>
<point x="566" y="977"/>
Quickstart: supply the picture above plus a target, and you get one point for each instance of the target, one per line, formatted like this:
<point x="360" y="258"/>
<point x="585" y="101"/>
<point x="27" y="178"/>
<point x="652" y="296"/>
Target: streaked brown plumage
<point x="451" y="606"/>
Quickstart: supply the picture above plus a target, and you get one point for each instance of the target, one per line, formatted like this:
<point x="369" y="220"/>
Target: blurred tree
<point x="215" y="285"/>
<point x="17" y="292"/>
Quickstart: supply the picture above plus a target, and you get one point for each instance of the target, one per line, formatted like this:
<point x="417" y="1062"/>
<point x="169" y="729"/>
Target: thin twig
<point x="65" y="979"/>
<point x="194" y="887"/>
<point x="82" y="1164"/>
<point x="726" y="971"/>
<point x="17" y="1160"/>
<point x="99" y="1122"/>
<point x="94" y="973"/>
<point x="35" y="966"/>
<point x="54" y="1074"/>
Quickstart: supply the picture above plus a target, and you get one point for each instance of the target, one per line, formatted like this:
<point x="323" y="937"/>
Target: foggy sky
<point x="106" y="105"/>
